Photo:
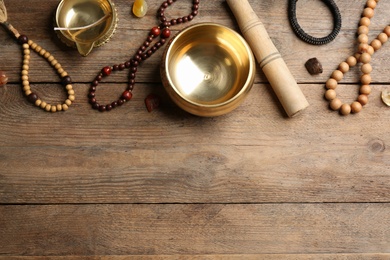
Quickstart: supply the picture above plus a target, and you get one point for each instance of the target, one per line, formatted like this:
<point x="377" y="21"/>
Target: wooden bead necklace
<point x="143" y="53"/>
<point x="362" y="57"/>
<point x="26" y="46"/>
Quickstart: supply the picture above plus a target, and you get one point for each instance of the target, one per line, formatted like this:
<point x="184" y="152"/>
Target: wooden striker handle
<point x="269" y="58"/>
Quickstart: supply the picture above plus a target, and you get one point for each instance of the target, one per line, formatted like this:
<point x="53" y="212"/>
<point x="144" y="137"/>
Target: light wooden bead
<point x="69" y="87"/>
<point x="42" y="52"/>
<point x="25" y="83"/>
<point x="351" y="61"/>
<point x="363" y="29"/>
<point x="371" y="4"/>
<point x="63" y="74"/>
<point x="53" y="109"/>
<point x="335" y="104"/>
<point x="331" y="83"/>
<point x="30" y="42"/>
<point x="71" y="92"/>
<point x="387" y="30"/>
<point x="59" y="107"/>
<point x="26" y="51"/>
<point x="363" y="38"/>
<point x="25" y="67"/>
<point x="38" y="48"/>
<point x="365" y="21"/>
<point x="365" y="89"/>
<point x="356" y="107"/>
<point x="376" y="44"/>
<point x="38" y="102"/>
<point x="51" y="58"/>
<point x="53" y="62"/>
<point x="26" y="46"/>
<point x="337" y="75"/>
<point x="43" y="104"/>
<point x="330" y="94"/>
<point x="363" y="47"/>
<point x="362" y="99"/>
<point x="365" y="58"/>
<point x="60" y="70"/>
<point x="65" y="107"/>
<point x="344" y="67"/>
<point x="366" y="68"/>
<point x="71" y="97"/>
<point x="368" y="12"/>
<point x="33" y="45"/>
<point x="357" y="56"/>
<point x="48" y="107"/>
<point x="24" y="72"/>
<point x="58" y="66"/>
<point x="24" y="77"/>
<point x="345" y="109"/>
<point x="27" y="87"/>
<point x="366" y="79"/>
<point x="383" y="37"/>
<point x="26" y="61"/>
<point x="371" y="50"/>
<point x="47" y="55"/>
<point x="28" y="92"/>
<point x="68" y="102"/>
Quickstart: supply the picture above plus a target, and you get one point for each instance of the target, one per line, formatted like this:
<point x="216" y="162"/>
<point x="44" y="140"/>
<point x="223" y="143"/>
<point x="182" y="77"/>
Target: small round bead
<point x="370" y="50"/>
<point x="51" y="58"/>
<point x="32" y="98"/>
<point x="66" y="80"/>
<point x="26" y="88"/>
<point x="53" y="62"/>
<point x="59" y="107"/>
<point x="38" y="102"/>
<point x="362" y="99"/>
<point x="365" y="58"/>
<point x="345" y="109"/>
<point x="365" y="89"/>
<point x="26" y="46"/>
<point x="43" y="104"/>
<point x="53" y="109"/>
<point x="68" y="102"/>
<point x="23" y="39"/>
<point x="33" y="45"/>
<point x="64" y="74"/>
<point x="24" y="77"/>
<point x="366" y="79"/>
<point x="48" y="107"/>
<point x="65" y="107"/>
<point x="47" y="54"/>
<point x="166" y="33"/>
<point x="26" y="83"/>
<point x="387" y="30"/>
<point x="335" y="104"/>
<point x="344" y="67"/>
<point x="42" y="52"/>
<point x="371" y="4"/>
<point x="363" y="47"/>
<point x="106" y="71"/>
<point x="24" y="72"/>
<point x="363" y="38"/>
<point x="71" y="92"/>
<point x="58" y="67"/>
<point x="331" y="83"/>
<point x="71" y="97"/>
<point x="27" y="92"/>
<point x="351" y="61"/>
<point x="368" y="12"/>
<point x="376" y="44"/>
<point x="383" y="37"/>
<point x="330" y="94"/>
<point x="363" y="29"/>
<point x="337" y="75"/>
<point x="38" y="49"/>
<point x="26" y="52"/>
<point x="366" y="68"/>
<point x="68" y="87"/>
<point x="356" y="107"/>
<point x="365" y="21"/>
<point x="127" y="95"/>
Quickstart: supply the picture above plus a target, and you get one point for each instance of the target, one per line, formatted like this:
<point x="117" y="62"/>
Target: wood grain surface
<point x="251" y="184"/>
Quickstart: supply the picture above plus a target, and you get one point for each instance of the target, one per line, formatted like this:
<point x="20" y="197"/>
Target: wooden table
<point x="251" y="184"/>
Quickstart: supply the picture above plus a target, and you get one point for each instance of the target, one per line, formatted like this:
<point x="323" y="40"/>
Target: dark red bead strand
<point x="145" y="51"/>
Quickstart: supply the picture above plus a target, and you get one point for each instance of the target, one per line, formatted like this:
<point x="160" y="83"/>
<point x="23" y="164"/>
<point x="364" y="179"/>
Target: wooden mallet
<point x="269" y="58"/>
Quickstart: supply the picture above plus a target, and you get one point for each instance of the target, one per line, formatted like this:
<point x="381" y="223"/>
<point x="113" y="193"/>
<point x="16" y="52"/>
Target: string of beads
<point x="143" y="53"/>
<point x="361" y="57"/>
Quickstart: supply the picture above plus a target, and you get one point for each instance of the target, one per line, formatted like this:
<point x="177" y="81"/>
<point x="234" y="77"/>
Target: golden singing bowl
<point x="208" y="69"/>
<point x="86" y="24"/>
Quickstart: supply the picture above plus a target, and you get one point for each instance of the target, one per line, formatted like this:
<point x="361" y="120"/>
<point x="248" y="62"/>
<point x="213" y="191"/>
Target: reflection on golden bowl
<point x="208" y="69"/>
<point x="83" y="13"/>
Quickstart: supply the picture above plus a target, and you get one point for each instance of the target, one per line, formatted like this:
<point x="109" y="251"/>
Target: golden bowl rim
<point x="244" y="88"/>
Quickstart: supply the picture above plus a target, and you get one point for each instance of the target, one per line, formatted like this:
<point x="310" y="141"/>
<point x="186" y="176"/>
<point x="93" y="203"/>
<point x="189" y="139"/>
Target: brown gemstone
<point x="32" y="98"/>
<point x="152" y="101"/>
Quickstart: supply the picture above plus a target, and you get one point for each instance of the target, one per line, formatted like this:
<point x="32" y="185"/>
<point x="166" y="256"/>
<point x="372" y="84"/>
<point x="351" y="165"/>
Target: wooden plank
<point x="217" y="257"/>
<point x="202" y="229"/>
<point x="253" y="154"/>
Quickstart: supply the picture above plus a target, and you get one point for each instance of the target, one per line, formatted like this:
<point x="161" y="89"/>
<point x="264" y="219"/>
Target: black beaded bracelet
<point x="292" y="8"/>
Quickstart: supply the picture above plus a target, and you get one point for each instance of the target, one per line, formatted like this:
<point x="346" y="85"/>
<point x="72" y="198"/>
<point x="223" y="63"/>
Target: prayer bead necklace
<point x="144" y="52"/>
<point x="27" y="45"/>
<point x="362" y="57"/>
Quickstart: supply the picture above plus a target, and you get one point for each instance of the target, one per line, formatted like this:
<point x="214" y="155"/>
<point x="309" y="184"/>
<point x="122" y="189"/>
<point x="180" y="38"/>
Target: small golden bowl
<point x="208" y="69"/>
<point x="85" y="24"/>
